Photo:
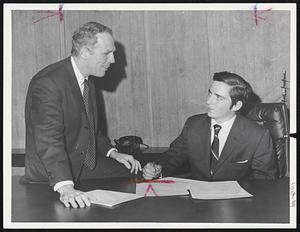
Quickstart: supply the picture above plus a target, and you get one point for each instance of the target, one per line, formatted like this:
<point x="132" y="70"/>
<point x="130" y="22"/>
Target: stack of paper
<point x="198" y="189"/>
<point x="217" y="190"/>
<point x="111" y="198"/>
<point x="172" y="187"/>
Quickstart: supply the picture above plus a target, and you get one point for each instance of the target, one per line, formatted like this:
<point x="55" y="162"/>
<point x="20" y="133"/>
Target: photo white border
<point x="7" y="83"/>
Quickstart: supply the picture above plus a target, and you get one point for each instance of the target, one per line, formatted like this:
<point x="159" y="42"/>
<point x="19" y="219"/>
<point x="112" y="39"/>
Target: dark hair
<point x="240" y="89"/>
<point x="85" y="35"/>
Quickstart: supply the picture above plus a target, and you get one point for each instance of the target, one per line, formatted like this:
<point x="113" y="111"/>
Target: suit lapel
<point x="234" y="139"/>
<point x="75" y="89"/>
<point x="94" y="104"/>
<point x="202" y="142"/>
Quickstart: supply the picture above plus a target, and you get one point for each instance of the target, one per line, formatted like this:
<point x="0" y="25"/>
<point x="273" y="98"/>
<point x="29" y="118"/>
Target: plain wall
<point x="164" y="63"/>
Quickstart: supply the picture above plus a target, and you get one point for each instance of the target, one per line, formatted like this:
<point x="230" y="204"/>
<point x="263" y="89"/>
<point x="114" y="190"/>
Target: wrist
<point x="113" y="154"/>
<point x="110" y="151"/>
<point x="62" y="183"/>
<point x="65" y="188"/>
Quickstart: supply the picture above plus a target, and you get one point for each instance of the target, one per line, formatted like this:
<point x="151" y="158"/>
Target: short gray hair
<point x="85" y="35"/>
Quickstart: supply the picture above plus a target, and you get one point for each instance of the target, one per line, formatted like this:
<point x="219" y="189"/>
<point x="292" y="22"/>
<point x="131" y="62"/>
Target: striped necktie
<point x="90" y="157"/>
<point x="214" y="152"/>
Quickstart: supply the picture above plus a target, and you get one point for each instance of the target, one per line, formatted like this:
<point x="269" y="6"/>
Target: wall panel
<point x="132" y="102"/>
<point x="259" y="53"/>
<point x="32" y="50"/>
<point x="164" y="63"/>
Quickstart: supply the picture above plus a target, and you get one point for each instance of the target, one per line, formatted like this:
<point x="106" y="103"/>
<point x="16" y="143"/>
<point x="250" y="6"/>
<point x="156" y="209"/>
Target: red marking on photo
<point x="50" y="13"/>
<point x="151" y="181"/>
<point x="150" y="188"/>
<point x="257" y="12"/>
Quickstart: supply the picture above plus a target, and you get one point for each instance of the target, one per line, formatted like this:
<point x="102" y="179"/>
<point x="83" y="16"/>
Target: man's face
<point x="101" y="56"/>
<point x="219" y="102"/>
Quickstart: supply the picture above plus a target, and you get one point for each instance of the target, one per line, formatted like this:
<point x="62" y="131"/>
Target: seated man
<point x="221" y="144"/>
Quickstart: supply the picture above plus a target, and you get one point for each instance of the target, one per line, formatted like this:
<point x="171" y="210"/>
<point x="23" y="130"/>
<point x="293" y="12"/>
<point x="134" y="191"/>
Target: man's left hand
<point x="127" y="160"/>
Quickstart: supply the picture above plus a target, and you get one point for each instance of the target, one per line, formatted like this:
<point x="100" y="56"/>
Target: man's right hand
<point x="70" y="196"/>
<point x="151" y="171"/>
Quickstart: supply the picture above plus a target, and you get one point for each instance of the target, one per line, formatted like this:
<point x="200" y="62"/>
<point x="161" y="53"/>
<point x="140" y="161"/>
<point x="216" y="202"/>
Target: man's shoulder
<point x="250" y="125"/>
<point x="197" y="118"/>
<point x="54" y="69"/>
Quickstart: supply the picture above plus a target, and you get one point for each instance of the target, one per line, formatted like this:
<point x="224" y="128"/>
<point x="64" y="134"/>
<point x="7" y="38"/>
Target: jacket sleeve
<point x="176" y="155"/>
<point x="263" y="163"/>
<point x="103" y="144"/>
<point x="46" y="117"/>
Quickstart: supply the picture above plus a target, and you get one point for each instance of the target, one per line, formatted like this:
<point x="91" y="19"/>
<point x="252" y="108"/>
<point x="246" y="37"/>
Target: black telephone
<point x="130" y="144"/>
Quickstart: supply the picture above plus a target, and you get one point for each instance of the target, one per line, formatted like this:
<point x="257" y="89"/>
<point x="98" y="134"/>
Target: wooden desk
<point x="150" y="154"/>
<point x="38" y="203"/>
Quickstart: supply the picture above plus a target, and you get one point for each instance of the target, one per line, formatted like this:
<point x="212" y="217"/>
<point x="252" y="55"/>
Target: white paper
<point x="160" y="188"/>
<point x="197" y="189"/>
<point x="217" y="190"/>
<point x="111" y="198"/>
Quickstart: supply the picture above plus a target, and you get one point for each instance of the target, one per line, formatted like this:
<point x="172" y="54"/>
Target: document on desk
<point x="171" y="186"/>
<point x="111" y="198"/>
<point x="162" y="187"/>
<point x="217" y="190"/>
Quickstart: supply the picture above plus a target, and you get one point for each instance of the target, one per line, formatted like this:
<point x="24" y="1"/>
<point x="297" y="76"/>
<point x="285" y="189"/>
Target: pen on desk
<point x="190" y="194"/>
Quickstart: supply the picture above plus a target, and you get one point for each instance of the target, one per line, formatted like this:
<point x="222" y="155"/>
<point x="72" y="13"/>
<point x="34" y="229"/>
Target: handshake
<point x="152" y="171"/>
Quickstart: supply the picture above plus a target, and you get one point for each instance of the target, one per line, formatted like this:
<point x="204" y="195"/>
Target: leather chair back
<point x="274" y="117"/>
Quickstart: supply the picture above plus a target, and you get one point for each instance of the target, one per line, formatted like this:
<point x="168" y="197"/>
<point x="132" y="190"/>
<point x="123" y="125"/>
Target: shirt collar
<point x="80" y="78"/>
<point x="226" y="124"/>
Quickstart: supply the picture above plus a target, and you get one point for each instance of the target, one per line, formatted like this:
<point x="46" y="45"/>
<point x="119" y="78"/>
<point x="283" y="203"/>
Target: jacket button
<point x="86" y="127"/>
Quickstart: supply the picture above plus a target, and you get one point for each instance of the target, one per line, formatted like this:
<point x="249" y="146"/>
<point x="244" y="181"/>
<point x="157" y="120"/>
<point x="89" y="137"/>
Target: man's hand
<point x="70" y="196"/>
<point x="127" y="160"/>
<point x="151" y="171"/>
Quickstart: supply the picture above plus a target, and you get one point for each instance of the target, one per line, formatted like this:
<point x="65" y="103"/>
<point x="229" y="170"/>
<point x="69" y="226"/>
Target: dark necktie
<point x="90" y="157"/>
<point x="214" y="156"/>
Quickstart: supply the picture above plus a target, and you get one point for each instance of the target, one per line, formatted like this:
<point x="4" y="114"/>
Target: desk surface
<point x="270" y="204"/>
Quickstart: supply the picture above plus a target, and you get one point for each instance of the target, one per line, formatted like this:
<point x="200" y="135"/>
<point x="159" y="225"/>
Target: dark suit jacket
<point x="57" y="130"/>
<point x="247" y="153"/>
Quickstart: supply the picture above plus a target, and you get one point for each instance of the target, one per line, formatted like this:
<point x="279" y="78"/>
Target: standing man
<point x="63" y="143"/>
<point x="222" y="144"/>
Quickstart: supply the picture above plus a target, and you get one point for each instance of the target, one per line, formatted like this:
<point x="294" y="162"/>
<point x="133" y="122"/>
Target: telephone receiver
<point x="130" y="144"/>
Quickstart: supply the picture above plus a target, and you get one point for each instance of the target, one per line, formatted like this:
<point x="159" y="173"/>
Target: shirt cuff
<point x="62" y="183"/>
<point x="110" y="151"/>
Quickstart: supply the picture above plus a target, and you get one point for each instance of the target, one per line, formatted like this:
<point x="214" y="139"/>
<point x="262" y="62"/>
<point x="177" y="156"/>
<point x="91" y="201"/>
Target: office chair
<point x="274" y="117"/>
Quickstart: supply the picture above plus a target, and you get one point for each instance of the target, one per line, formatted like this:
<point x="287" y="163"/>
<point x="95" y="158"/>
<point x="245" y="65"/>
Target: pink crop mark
<point x="148" y="190"/>
<point x="50" y="13"/>
<point x="257" y="12"/>
<point x="153" y="181"/>
<point x="150" y="187"/>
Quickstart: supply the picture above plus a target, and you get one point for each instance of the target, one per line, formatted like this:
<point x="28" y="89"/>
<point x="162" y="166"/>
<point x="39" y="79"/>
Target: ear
<point x="84" y="52"/>
<point x="237" y="106"/>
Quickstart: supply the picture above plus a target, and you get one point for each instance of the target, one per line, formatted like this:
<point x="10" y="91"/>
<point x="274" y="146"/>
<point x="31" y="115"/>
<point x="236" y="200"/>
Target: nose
<point x="112" y="58"/>
<point x="209" y="99"/>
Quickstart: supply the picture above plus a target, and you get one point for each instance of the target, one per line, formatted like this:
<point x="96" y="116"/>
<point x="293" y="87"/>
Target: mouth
<point x="210" y="109"/>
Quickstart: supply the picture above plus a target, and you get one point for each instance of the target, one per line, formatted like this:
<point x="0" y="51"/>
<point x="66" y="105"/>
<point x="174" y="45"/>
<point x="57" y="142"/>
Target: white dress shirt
<point x="223" y="133"/>
<point x="80" y="79"/>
